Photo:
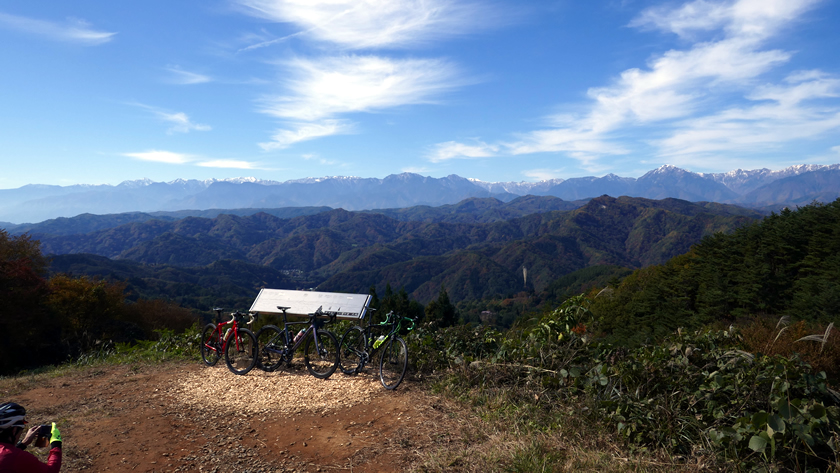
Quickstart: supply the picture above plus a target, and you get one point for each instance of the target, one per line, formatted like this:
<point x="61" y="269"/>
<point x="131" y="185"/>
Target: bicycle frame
<point x="218" y="334"/>
<point x="395" y="325"/>
<point x="313" y="325"/>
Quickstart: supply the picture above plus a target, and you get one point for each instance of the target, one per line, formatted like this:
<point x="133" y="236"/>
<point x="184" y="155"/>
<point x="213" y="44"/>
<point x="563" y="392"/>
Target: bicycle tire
<point x="209" y="337"/>
<point x="241" y="357"/>
<point x="271" y="341"/>
<point x="353" y="344"/>
<point x="393" y="362"/>
<point x="321" y="365"/>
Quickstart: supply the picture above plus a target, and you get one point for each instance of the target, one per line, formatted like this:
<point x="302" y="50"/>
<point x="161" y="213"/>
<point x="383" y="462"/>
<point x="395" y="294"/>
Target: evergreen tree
<point x="441" y="312"/>
<point x="787" y="264"/>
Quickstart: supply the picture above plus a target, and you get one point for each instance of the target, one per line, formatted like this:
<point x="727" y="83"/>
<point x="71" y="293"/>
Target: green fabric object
<point x="56" y="435"/>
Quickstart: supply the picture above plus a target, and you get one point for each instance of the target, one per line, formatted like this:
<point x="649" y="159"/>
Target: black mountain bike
<point x="320" y="347"/>
<point x="358" y="347"/>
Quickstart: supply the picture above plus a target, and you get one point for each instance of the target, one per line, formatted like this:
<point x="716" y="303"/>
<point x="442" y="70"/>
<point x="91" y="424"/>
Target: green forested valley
<point x="351" y="251"/>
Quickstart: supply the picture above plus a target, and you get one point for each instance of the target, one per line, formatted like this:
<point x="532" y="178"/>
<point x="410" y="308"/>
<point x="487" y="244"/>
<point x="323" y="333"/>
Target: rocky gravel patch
<point x="283" y="392"/>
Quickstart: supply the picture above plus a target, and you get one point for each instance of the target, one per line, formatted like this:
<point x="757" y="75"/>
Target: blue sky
<point x="98" y="92"/>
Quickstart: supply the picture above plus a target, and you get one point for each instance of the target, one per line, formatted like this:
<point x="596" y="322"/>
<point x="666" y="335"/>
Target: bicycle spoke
<point x="271" y="344"/>
<point x="321" y="360"/>
<point x="241" y="351"/>
<point x="352" y="354"/>
<point x="393" y="363"/>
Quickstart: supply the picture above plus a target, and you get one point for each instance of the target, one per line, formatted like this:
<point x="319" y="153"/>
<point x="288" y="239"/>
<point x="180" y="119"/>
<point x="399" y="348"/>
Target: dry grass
<point x="501" y="435"/>
<point x="776" y="337"/>
<point x="16" y="384"/>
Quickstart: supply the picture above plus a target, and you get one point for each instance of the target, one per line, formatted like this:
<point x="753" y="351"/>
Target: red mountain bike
<point x="238" y="344"/>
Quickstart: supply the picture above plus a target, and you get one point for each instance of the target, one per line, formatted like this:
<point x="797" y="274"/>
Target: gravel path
<point x="284" y="391"/>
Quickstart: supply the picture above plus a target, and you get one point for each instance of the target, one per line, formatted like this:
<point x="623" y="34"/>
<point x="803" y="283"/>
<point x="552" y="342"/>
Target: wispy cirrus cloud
<point x="777" y="114"/>
<point x="304" y="132"/>
<point x="182" y="77"/>
<point x="363" y="24"/>
<point x="320" y="91"/>
<point x="416" y="169"/>
<point x="681" y="102"/>
<point x="170" y="157"/>
<point x="74" y="30"/>
<point x="228" y="164"/>
<point x="542" y="174"/>
<point x="453" y="149"/>
<point x="159" y="156"/>
<point x="326" y="87"/>
<point x="179" y="121"/>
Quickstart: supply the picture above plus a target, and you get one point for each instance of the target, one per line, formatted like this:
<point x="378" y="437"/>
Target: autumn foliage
<point x="47" y="321"/>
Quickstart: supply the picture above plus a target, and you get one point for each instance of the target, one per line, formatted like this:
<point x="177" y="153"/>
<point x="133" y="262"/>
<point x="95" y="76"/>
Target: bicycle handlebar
<point x="332" y="314"/>
<point x="393" y="319"/>
<point x="234" y="315"/>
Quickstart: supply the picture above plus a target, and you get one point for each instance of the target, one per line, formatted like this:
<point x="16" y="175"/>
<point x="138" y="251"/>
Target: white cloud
<point x="453" y="150"/>
<point x="836" y="149"/>
<point x="321" y="90"/>
<point x="748" y="19"/>
<point x="360" y="24"/>
<point x="182" y="77"/>
<point x="543" y="174"/>
<point x="228" y="163"/>
<point x="74" y="30"/>
<point x="169" y="157"/>
<point x="777" y="115"/>
<point x="159" y="156"/>
<point x="306" y="131"/>
<point x="327" y="87"/>
<point x="679" y="93"/>
<point x="180" y="122"/>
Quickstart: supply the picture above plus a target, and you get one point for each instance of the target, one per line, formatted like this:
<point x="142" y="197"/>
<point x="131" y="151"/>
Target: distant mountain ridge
<point x="476" y="249"/>
<point x="761" y="188"/>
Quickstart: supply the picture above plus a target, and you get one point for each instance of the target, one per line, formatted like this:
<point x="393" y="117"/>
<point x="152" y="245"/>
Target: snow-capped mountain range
<point x="760" y="188"/>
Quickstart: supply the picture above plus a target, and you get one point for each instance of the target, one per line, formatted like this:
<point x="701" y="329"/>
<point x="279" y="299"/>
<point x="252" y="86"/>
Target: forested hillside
<point x="787" y="264"/>
<point x="225" y="283"/>
<point x="352" y="251"/>
<point x="628" y="232"/>
<point x="50" y="319"/>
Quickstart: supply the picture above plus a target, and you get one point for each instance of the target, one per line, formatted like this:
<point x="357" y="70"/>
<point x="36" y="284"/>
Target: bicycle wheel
<point x="321" y="363"/>
<point x="271" y="344"/>
<point x="393" y="363"/>
<point x="241" y="351"/>
<point x="352" y="350"/>
<point x="209" y="348"/>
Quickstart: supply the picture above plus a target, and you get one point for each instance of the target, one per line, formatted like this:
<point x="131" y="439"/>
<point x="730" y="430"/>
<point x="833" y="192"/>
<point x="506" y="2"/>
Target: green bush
<point x="168" y="346"/>
<point x="694" y="392"/>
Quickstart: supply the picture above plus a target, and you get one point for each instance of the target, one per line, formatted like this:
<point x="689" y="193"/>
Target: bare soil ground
<point x="185" y="416"/>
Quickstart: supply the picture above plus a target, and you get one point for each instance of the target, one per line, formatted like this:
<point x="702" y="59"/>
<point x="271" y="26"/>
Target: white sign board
<point x="347" y="306"/>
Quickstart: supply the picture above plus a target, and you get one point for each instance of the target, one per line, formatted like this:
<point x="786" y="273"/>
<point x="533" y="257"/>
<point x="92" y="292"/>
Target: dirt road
<point x="188" y="417"/>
